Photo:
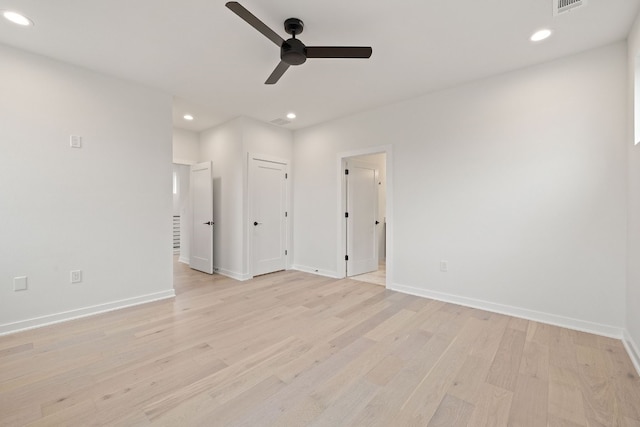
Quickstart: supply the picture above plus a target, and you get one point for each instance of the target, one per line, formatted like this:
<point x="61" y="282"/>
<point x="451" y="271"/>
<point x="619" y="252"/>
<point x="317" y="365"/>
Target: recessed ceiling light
<point x="17" y="18"/>
<point x="540" y="35"/>
<point x="188" y="117"/>
<point x="291" y="116"/>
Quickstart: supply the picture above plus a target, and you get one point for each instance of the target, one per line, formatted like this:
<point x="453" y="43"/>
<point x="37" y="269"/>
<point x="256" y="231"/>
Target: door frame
<point x="341" y="238"/>
<point x="249" y="209"/>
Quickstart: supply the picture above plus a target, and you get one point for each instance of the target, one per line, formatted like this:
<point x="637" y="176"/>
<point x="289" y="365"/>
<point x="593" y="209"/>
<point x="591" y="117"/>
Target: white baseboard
<point x="537" y="316"/>
<point x="183" y="260"/>
<point x="38" y="322"/>
<point x="318" y="271"/>
<point x="633" y="349"/>
<point x="232" y="274"/>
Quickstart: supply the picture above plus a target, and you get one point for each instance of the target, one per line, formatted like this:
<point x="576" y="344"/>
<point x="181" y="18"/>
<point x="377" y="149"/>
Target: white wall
<point x="104" y="209"/>
<point x="227" y="147"/>
<point x="222" y="146"/>
<point x="268" y="140"/>
<point x="633" y="252"/>
<point x="518" y="181"/>
<point x="185" y="146"/>
<point x="265" y="138"/>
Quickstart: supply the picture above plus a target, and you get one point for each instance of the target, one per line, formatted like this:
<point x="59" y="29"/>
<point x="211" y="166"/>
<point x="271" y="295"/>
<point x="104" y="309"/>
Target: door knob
<point x="209" y="223"/>
<point x="256" y="223"/>
<point x="377" y="222"/>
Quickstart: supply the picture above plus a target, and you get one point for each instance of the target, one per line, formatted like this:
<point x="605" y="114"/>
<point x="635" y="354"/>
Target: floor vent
<point x="280" y="122"/>
<point x="564" y="6"/>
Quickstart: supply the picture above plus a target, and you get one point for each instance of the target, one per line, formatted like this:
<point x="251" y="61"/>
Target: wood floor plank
<point x="489" y="337"/>
<point x="529" y="407"/>
<point x="535" y="360"/>
<point x="560" y="422"/>
<point x="629" y="422"/>
<point x="452" y="412"/>
<point x="562" y="351"/>
<point x="622" y="373"/>
<point x="390" y="325"/>
<point x="386" y="369"/>
<point x="425" y="399"/>
<point x="565" y="402"/>
<point x="286" y="399"/>
<point x="233" y="409"/>
<point x="600" y="400"/>
<point x="506" y="364"/>
<point x="518" y="324"/>
<point x="469" y="381"/>
<point x="492" y="406"/>
<point x="347" y="407"/>
<point x="198" y="410"/>
<point x="250" y="371"/>
<point x="291" y="348"/>
<point x="387" y="404"/>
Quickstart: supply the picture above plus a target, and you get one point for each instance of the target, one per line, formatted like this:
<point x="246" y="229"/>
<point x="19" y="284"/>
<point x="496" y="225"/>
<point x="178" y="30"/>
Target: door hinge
<point x="285" y="252"/>
<point x="346" y="171"/>
<point x="346" y="214"/>
<point x="346" y="257"/>
<point x="286" y="214"/>
<point x="286" y="176"/>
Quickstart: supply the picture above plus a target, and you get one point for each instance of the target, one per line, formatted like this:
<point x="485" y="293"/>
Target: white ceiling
<point x="215" y="64"/>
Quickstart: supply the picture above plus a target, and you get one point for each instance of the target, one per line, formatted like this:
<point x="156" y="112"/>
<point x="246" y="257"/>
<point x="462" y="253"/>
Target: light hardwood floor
<point x="293" y="349"/>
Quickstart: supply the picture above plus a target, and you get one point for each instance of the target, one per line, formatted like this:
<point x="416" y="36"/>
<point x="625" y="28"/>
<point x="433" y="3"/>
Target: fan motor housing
<point x="293" y="52"/>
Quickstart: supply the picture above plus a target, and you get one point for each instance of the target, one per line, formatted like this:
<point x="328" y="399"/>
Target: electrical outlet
<point x="443" y="266"/>
<point x="20" y="283"/>
<point x="76" y="276"/>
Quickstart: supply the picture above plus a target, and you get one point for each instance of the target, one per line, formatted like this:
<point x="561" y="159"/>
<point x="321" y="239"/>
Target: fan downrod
<point x="293" y="51"/>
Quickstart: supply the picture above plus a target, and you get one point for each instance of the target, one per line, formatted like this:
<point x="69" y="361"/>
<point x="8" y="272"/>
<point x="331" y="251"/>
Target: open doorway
<point x="365" y="219"/>
<point x="181" y="217"/>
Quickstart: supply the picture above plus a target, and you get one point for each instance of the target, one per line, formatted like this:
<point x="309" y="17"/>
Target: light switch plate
<point x="75" y="141"/>
<point x="20" y="283"/>
<point x="76" y="276"/>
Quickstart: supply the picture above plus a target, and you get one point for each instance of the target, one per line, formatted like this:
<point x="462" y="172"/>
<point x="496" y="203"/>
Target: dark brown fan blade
<point x="243" y="13"/>
<point x="277" y="73"/>
<point x="338" y="52"/>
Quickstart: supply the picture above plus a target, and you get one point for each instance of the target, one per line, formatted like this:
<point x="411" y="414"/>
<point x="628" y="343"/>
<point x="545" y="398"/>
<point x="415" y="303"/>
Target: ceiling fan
<point x="293" y="51"/>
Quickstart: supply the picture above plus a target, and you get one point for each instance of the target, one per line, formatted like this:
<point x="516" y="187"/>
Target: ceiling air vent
<point x="280" y="122"/>
<point x="564" y="6"/>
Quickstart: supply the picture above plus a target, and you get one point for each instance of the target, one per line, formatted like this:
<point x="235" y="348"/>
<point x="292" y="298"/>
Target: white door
<point x="362" y="217"/>
<point x="201" y="253"/>
<point x="268" y="216"/>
